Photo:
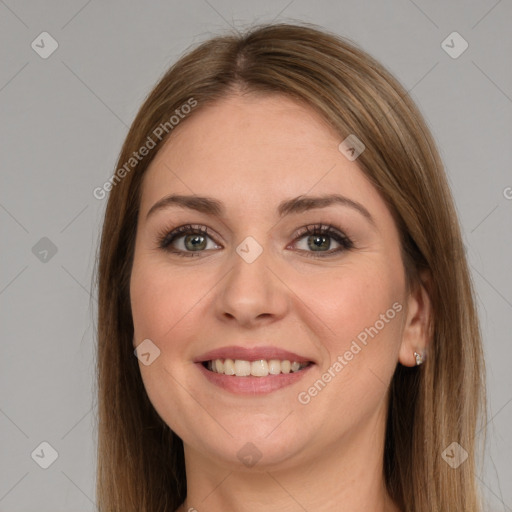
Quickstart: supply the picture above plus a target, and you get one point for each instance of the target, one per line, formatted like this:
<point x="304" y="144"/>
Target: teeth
<point x="274" y="367"/>
<point x="229" y="367"/>
<point x="242" y="368"/>
<point x="285" y="366"/>
<point x="259" y="368"/>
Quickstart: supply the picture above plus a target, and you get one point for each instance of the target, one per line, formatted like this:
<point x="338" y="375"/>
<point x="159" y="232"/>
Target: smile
<point x="258" y="368"/>
<point x="253" y="369"/>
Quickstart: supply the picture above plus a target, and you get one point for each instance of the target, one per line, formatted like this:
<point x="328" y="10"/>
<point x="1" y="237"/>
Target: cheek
<point x="353" y="299"/>
<point x="362" y="307"/>
<point x="364" y="312"/>
<point x="160" y="299"/>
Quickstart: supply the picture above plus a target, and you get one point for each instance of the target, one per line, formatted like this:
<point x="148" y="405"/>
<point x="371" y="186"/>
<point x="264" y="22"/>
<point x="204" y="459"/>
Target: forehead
<point x="254" y="150"/>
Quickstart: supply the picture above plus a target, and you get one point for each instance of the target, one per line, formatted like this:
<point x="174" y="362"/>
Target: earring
<point x="419" y="358"/>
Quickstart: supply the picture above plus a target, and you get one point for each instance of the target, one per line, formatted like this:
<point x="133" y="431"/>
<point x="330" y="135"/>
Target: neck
<point x="347" y="476"/>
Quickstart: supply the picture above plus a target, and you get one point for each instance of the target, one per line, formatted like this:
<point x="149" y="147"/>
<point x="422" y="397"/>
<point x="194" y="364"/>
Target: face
<point x="248" y="286"/>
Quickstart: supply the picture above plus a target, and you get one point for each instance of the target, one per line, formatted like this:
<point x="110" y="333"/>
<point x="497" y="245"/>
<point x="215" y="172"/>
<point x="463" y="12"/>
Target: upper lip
<point x="251" y="354"/>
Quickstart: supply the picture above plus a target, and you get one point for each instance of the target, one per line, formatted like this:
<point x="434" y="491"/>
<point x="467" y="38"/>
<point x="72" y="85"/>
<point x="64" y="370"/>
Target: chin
<point x="254" y="449"/>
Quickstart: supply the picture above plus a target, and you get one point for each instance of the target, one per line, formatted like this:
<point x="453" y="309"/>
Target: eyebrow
<point x="295" y="205"/>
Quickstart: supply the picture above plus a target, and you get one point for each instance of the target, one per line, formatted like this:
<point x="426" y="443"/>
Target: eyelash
<point x="165" y="238"/>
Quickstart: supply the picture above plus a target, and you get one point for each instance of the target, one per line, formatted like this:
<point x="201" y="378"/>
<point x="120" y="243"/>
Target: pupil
<point x="195" y="241"/>
<point x="317" y="244"/>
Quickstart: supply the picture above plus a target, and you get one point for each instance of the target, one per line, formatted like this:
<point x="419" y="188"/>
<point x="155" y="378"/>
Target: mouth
<point x="252" y="371"/>
<point x="257" y="368"/>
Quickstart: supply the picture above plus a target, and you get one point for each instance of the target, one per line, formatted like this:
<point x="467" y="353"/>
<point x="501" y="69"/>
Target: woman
<point x="281" y="253"/>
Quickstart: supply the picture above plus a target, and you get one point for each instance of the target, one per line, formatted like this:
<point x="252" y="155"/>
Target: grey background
<point x="63" y="122"/>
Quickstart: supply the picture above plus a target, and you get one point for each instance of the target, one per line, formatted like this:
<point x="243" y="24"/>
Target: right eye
<point x="194" y="240"/>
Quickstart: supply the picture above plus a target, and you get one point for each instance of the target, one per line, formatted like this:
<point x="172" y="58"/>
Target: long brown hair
<point x="140" y="460"/>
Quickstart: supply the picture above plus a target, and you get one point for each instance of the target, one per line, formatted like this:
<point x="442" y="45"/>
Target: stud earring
<point x="419" y="358"/>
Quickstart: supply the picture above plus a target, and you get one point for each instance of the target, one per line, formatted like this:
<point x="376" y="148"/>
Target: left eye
<point x="317" y="238"/>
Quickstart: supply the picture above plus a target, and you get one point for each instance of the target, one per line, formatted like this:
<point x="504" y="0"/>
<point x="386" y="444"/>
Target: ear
<point x="416" y="334"/>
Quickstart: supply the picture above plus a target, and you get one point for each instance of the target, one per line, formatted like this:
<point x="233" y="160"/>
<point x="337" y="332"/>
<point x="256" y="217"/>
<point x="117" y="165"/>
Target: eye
<point x="317" y="238"/>
<point x="194" y="240"/>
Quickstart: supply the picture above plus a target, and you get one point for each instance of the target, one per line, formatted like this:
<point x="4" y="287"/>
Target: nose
<point x="252" y="292"/>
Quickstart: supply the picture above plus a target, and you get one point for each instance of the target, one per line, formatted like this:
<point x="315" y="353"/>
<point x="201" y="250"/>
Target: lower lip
<point x="253" y="385"/>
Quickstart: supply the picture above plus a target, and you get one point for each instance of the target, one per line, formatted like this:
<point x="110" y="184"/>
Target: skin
<point x="251" y="152"/>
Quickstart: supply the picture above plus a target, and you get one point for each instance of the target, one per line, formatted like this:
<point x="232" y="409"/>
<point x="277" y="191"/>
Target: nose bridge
<point x="250" y="265"/>
<point x="251" y="288"/>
